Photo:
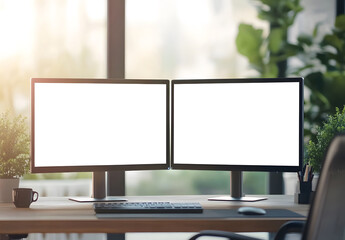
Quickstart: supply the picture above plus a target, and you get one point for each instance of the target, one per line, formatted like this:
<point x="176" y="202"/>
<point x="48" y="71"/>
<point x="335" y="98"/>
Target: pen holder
<point x="305" y="187"/>
<point x="305" y="192"/>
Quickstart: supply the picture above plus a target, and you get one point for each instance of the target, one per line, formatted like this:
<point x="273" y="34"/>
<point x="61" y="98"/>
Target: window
<point x="196" y="39"/>
<point x="54" y="38"/>
<point x="187" y="39"/>
<point x="164" y="39"/>
<point x="48" y="39"/>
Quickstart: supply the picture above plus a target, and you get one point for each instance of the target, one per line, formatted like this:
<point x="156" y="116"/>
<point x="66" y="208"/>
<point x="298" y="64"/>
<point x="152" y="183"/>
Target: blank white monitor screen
<point x="81" y="125"/>
<point x="244" y="124"/>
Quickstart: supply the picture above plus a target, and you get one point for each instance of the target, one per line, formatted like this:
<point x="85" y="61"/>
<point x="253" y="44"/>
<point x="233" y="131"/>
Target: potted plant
<point x="14" y="153"/>
<point x="316" y="150"/>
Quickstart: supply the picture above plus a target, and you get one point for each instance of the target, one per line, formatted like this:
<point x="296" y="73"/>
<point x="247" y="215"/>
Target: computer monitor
<point x="237" y="125"/>
<point x="99" y="125"/>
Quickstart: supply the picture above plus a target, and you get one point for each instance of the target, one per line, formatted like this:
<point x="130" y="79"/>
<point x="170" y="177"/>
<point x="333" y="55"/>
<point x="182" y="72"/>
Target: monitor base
<point x="90" y="199"/>
<point x="239" y="199"/>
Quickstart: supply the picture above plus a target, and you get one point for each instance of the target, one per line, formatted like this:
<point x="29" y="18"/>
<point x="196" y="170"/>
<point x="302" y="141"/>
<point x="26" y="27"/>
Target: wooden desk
<point x="60" y="215"/>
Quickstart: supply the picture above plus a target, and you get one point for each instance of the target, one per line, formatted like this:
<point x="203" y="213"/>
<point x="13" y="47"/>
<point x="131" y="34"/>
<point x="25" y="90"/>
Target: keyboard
<point x="147" y="207"/>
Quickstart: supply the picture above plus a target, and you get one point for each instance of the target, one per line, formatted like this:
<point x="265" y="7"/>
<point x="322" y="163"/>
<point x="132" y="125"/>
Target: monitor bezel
<point x="94" y="168"/>
<point x="266" y="168"/>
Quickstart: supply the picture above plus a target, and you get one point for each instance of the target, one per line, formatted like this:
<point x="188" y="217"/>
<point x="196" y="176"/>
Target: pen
<point x="310" y="175"/>
<point x="306" y="173"/>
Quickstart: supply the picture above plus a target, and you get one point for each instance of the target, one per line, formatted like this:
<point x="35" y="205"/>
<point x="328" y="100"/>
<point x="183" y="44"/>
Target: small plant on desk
<point x="316" y="150"/>
<point x="14" y="153"/>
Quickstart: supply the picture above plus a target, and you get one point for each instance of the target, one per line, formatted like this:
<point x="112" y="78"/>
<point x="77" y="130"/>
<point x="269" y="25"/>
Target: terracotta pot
<point x="6" y="186"/>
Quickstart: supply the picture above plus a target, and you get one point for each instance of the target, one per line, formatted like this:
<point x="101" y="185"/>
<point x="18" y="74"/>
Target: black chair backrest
<point x="326" y="218"/>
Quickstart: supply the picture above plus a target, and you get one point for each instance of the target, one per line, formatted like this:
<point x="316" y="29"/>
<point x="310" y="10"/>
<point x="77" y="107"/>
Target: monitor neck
<point x="236" y="184"/>
<point x="98" y="185"/>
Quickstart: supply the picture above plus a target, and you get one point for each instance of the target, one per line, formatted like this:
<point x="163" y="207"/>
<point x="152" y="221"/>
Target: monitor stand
<point x="99" y="191"/>
<point x="236" y="193"/>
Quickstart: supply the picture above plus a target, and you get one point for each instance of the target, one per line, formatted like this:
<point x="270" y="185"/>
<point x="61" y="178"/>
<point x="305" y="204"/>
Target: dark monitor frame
<point x="240" y="167"/>
<point x="92" y="168"/>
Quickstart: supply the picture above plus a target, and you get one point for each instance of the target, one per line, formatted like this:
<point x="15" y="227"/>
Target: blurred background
<point x="165" y="39"/>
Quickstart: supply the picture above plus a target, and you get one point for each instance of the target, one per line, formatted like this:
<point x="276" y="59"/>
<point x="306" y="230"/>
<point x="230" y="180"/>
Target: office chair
<point x="326" y="219"/>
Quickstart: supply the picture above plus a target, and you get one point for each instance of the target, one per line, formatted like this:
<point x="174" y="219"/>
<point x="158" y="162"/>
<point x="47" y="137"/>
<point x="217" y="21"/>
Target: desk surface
<point x="60" y="215"/>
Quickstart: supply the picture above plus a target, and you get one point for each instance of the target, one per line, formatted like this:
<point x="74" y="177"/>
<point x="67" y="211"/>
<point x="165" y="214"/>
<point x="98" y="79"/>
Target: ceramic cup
<point x="23" y="197"/>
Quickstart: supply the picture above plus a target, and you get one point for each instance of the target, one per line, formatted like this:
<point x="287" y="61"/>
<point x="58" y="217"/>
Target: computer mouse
<point x="251" y="211"/>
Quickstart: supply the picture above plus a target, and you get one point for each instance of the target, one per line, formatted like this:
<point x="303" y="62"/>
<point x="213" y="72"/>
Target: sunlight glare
<point x="16" y="24"/>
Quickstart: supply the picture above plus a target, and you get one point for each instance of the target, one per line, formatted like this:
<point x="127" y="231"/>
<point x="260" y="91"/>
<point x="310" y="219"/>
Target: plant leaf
<point x="333" y="40"/>
<point x="275" y="39"/>
<point x="305" y="39"/>
<point x="271" y="70"/>
<point x="340" y="22"/>
<point x="249" y="41"/>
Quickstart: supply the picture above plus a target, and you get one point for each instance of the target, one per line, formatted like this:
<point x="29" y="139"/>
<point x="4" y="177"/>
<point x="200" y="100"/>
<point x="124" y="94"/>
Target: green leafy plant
<point x="317" y="150"/>
<point x="323" y="59"/>
<point x="267" y="53"/>
<point x="14" y="146"/>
